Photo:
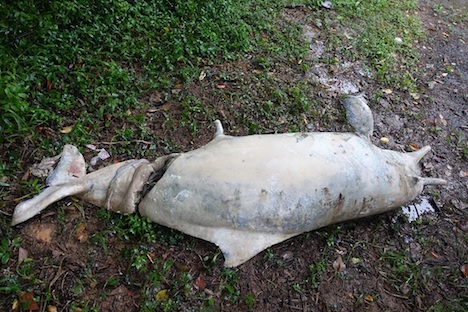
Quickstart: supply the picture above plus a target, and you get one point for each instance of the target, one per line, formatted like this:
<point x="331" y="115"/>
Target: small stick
<point x="123" y="142"/>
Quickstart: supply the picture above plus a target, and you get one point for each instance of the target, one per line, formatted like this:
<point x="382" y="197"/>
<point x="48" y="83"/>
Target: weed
<point x="316" y="271"/>
<point x="192" y="108"/>
<point x="31" y="187"/>
<point x="229" y="285"/>
<point x="269" y="254"/>
<point x="453" y="305"/>
<point x="9" y="283"/>
<point x="7" y="247"/>
<point x="140" y="258"/>
<point x="86" y="62"/>
<point x="404" y="274"/>
<point x="136" y="226"/>
<point x="330" y="234"/>
<point x="250" y="301"/>
<point x="385" y="33"/>
<point x="297" y="287"/>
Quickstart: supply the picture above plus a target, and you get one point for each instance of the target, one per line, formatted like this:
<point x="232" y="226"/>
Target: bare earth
<point x="298" y="275"/>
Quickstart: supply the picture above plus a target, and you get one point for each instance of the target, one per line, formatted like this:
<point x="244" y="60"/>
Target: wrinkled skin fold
<point x="247" y="193"/>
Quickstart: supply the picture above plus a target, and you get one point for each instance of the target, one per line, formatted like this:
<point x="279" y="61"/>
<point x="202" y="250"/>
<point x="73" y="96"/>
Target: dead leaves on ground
<point x="464" y="270"/>
<point x="200" y="282"/>
<point x="67" y="129"/>
<point x="162" y="295"/>
<point x="26" y="302"/>
<point x="339" y="265"/>
<point x="80" y="233"/>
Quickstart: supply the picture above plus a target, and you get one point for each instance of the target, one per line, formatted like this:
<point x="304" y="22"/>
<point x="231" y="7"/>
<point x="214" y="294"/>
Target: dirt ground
<point x="385" y="255"/>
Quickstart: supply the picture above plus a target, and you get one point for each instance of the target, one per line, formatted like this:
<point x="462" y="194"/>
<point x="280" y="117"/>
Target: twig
<point x="395" y="295"/>
<point x="5" y="213"/>
<point x="123" y="142"/>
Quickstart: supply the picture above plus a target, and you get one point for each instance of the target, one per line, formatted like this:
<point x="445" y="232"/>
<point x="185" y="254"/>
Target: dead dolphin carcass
<point x="247" y="193"/>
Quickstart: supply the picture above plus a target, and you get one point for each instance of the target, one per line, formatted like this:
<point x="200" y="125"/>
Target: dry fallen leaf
<point x="415" y="96"/>
<point x="150" y="256"/>
<point x="80" y="233"/>
<point x="91" y="147"/>
<point x="339" y="265"/>
<point x="15" y="304"/>
<point x="67" y="129"/>
<point x="102" y="155"/>
<point x="22" y="254"/>
<point x="200" y="282"/>
<point x="162" y="295"/>
<point x="182" y="267"/>
<point x="27" y="302"/>
<point x="387" y="91"/>
<point x="442" y="120"/>
<point x="368" y="299"/>
<point x="464" y="270"/>
<point x="413" y="147"/>
<point x="51" y="308"/>
<point x="202" y="75"/>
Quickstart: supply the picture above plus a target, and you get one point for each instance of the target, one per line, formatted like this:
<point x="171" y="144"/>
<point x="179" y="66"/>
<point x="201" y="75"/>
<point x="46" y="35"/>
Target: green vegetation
<point x="79" y="62"/>
<point x="382" y="33"/>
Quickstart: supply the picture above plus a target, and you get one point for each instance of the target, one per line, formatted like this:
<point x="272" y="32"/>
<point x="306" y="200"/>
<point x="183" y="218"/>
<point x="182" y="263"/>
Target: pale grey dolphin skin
<point x="247" y="193"/>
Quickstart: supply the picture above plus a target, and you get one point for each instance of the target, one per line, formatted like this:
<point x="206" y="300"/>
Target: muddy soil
<point x="298" y="275"/>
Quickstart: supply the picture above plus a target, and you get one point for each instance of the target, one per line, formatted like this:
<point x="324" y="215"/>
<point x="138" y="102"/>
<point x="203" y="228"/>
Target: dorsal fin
<point x="359" y="115"/>
<point x="219" y="128"/>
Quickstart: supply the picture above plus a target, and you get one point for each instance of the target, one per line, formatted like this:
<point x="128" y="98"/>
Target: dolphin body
<point x="248" y="193"/>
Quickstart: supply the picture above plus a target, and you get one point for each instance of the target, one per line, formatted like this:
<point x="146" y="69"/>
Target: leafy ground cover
<point x="147" y="78"/>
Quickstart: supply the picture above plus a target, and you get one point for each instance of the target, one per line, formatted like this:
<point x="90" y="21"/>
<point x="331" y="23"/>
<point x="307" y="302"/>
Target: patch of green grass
<point x="62" y="62"/>
<point x="7" y="247"/>
<point x="381" y="33"/>
<point x="137" y="227"/>
<point x="407" y="277"/>
<point x="229" y="286"/>
<point x="454" y="305"/>
<point x="316" y="271"/>
<point x="250" y="301"/>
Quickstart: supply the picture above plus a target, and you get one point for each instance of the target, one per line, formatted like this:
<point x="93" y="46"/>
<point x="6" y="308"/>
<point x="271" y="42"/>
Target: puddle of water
<point x="416" y="210"/>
